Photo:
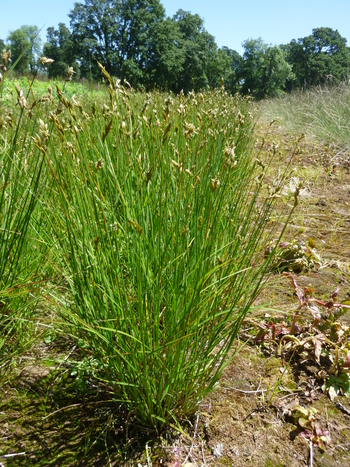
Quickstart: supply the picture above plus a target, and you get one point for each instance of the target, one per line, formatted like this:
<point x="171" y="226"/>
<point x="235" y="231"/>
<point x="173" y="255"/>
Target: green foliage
<point x="184" y="56"/>
<point x="199" y="52"/>
<point x="20" y="170"/>
<point x="231" y="75"/>
<point x="116" y="33"/>
<point x="296" y="256"/>
<point x="337" y="384"/>
<point x="60" y="48"/>
<point x="264" y="69"/>
<point x="40" y="88"/>
<point x="312" y="432"/>
<point x="94" y="29"/>
<point x="319" y="58"/>
<point x="137" y="43"/>
<point x="25" y="40"/>
<point x="166" y="55"/>
<point x="149" y="215"/>
<point x="219" y="68"/>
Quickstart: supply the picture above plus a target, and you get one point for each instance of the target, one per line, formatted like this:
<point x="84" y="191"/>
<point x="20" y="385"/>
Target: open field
<point x="136" y="232"/>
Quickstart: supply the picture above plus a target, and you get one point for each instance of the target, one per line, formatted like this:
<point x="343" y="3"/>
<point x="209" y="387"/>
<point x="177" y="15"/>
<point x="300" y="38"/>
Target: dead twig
<point x="246" y="392"/>
<point x="194" y="437"/>
<point x="311" y="454"/>
<point x="6" y="456"/>
<point x="343" y="409"/>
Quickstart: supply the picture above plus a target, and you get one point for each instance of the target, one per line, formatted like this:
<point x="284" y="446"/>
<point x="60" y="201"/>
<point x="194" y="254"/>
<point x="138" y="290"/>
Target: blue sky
<point x="230" y="21"/>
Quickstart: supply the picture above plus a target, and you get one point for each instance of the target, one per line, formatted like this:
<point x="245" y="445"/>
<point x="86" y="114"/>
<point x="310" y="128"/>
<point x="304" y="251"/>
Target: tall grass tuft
<point x="323" y="112"/>
<point x="153" y="211"/>
<point x="158" y="220"/>
<point x="20" y="175"/>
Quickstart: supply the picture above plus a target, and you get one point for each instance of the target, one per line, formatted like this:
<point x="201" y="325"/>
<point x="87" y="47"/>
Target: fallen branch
<point x="343" y="409"/>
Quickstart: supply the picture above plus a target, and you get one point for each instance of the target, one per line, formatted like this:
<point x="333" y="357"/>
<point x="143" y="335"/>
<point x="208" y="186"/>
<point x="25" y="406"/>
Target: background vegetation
<point x="136" y="42"/>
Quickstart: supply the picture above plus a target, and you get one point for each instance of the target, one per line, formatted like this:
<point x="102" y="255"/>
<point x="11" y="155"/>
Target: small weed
<point x="311" y="431"/>
<point x="337" y="385"/>
<point x="322" y="337"/>
<point x="296" y="256"/>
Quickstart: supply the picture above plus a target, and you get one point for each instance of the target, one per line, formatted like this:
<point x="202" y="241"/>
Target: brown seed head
<point x="70" y="73"/>
<point x="45" y="61"/>
<point x="6" y="57"/>
<point x="214" y="184"/>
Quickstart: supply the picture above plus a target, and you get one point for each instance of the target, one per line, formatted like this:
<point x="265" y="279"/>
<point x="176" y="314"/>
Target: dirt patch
<point x="254" y="426"/>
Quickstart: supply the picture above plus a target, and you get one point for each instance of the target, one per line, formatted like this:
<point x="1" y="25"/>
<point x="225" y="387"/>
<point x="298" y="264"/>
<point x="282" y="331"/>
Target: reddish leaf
<point x="320" y="431"/>
<point x="314" y="310"/>
<point x="297" y="289"/>
<point x="335" y="293"/>
<point x="346" y="364"/>
<point x="282" y="329"/>
<point x="283" y="244"/>
<point x="307" y="434"/>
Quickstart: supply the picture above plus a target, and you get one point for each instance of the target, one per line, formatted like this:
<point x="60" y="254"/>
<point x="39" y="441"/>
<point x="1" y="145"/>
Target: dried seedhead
<point x="70" y="73"/>
<point x="21" y="100"/>
<point x="230" y="156"/>
<point x="214" y="184"/>
<point x="6" y="57"/>
<point x="46" y="61"/>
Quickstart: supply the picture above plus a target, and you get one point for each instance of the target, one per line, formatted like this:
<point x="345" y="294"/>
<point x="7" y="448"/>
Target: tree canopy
<point x="233" y="72"/>
<point x="26" y="39"/>
<point x="60" y="48"/>
<point x="318" y="58"/>
<point x="264" y="69"/>
<point x="116" y="33"/>
<point x="135" y="41"/>
<point x="199" y="51"/>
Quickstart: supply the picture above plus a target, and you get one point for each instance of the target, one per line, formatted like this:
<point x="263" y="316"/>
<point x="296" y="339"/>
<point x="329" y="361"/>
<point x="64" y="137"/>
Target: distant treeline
<point x="135" y="41"/>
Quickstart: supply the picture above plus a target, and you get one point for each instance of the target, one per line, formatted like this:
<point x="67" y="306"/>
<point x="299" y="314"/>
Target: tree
<point x="117" y="33"/>
<point x="319" y="57"/>
<point x="60" y="48"/>
<point x="165" y="56"/>
<point x="182" y="55"/>
<point x="134" y="41"/>
<point x="25" y="40"/>
<point x="264" y="69"/>
<point x="218" y="68"/>
<point x="139" y="21"/>
<point x="233" y="74"/>
<point x="199" y="53"/>
<point x="94" y="26"/>
<point x="2" y="45"/>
